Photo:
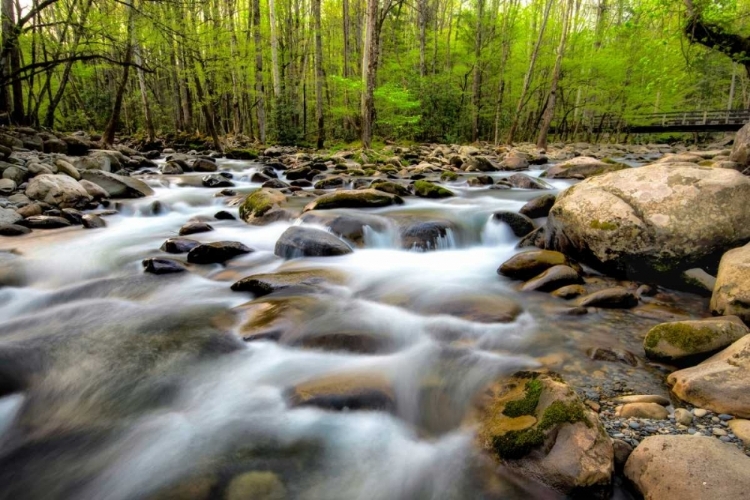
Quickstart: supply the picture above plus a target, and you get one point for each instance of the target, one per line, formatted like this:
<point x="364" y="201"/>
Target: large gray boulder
<point x="118" y="186"/>
<point x="741" y="150"/>
<point x="720" y="383"/>
<point x="655" y="220"/>
<point x="731" y="292"/>
<point x="59" y="190"/>
<point x="688" y="468"/>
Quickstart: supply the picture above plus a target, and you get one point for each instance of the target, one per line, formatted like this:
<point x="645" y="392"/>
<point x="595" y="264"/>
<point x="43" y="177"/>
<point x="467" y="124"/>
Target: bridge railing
<point x="671" y="118"/>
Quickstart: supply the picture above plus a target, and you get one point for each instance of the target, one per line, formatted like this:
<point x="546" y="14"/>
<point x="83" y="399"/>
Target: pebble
<point x="719" y="432"/>
<point x="634" y="425"/>
<point x="683" y="416"/>
<point x="699" y="412"/>
<point x="726" y="417"/>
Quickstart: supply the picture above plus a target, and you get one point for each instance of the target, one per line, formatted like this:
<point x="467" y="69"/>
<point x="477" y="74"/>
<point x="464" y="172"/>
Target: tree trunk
<point x="318" y="74"/>
<point x="274" y="50"/>
<point x="144" y="94"/>
<point x="422" y="19"/>
<point x="477" y="80"/>
<point x="549" y="112"/>
<point x="259" y="97"/>
<point x="369" y="66"/>
<point x="714" y="37"/>
<point x="529" y="72"/>
<point x="114" y="118"/>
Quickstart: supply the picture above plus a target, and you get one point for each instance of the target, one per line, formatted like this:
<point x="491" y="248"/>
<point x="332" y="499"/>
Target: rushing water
<point x="115" y="384"/>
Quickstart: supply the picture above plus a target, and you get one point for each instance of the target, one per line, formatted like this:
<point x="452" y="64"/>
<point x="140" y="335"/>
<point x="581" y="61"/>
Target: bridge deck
<point x="677" y="121"/>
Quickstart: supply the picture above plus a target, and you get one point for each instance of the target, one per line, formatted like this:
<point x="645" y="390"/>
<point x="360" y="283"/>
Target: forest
<point x="312" y="72"/>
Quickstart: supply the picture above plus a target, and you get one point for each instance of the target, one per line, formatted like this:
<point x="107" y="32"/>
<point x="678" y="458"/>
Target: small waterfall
<point x="389" y="238"/>
<point x="496" y="233"/>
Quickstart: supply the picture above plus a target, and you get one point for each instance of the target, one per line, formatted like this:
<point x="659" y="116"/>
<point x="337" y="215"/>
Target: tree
<point x="716" y="37"/>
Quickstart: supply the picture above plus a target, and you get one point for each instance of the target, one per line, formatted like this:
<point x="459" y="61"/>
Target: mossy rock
<point x="259" y="203"/>
<point x="390" y="187"/>
<point x="536" y="424"/>
<point x="241" y="154"/>
<point x="360" y="198"/>
<point x="449" y="176"/>
<point x="256" y="485"/>
<point x="426" y="189"/>
<point x="681" y="339"/>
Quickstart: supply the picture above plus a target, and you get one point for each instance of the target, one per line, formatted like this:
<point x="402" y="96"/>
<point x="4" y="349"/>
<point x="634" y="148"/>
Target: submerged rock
<point x="720" y="383"/>
<point x="217" y="252"/>
<point x="535" y="424"/>
<point x="688" y="468"/>
<point x="264" y="284"/>
<point x="93" y="221"/>
<point x="351" y="226"/>
<point x="298" y="241"/>
<point x="651" y="221"/>
<point x="162" y="266"/>
<point x="681" y="339"/>
<point x="615" y="297"/>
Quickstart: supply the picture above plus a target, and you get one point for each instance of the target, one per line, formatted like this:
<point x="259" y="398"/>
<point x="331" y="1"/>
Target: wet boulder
<point x="552" y="279"/>
<point x="65" y="167"/>
<point x="514" y="162"/>
<point x="731" y="291"/>
<point x="93" y="221"/>
<point x="683" y="339"/>
<point x="353" y="391"/>
<point x="523" y="181"/>
<point x="13" y="230"/>
<point x="45" y="222"/>
<point x="531" y="263"/>
<point x="118" y="186"/>
<point x="299" y="241"/>
<point x="720" y="383"/>
<point x="426" y="189"/>
<point x="58" y="190"/>
<point x="688" y="468"/>
<point x="171" y="168"/>
<point x="303" y="279"/>
<point x="536" y="425"/>
<point x="332" y="182"/>
<point x="360" y="198"/>
<point x="162" y="266"/>
<point x="263" y="207"/>
<point x="195" y="227"/>
<point x="519" y="224"/>
<point x="390" y="187"/>
<point x="538" y="207"/>
<point x="651" y="221"/>
<point x="476" y="163"/>
<point x="582" y="167"/>
<point x="204" y="165"/>
<point x="217" y="252"/>
<point x="216" y="181"/>
<point x="179" y="245"/>
<point x="611" y="298"/>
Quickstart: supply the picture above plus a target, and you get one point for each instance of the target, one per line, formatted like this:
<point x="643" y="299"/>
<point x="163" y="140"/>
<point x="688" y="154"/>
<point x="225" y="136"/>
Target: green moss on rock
<point x="526" y="405"/>
<point x="516" y="444"/>
<point x="449" y="176"/>
<point x="603" y="225"/>
<point x="426" y="189"/>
